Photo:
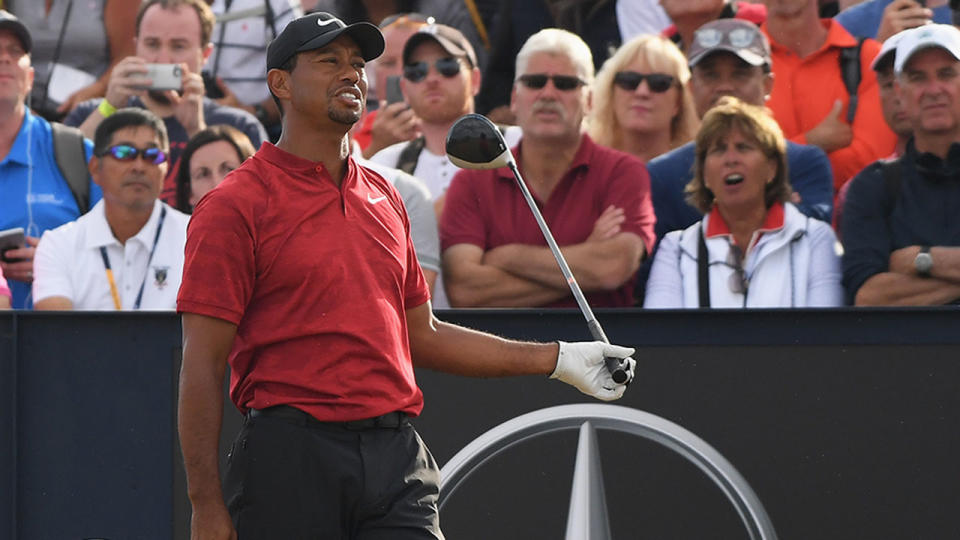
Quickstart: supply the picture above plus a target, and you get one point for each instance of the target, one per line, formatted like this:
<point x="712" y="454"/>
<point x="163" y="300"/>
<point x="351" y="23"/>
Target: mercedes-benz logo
<point x="588" y="510"/>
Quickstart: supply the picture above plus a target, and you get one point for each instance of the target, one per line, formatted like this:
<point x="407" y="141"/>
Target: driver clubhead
<point x="474" y="142"/>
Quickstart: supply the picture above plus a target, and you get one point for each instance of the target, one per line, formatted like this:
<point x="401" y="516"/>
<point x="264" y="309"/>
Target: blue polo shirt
<point x="925" y="212"/>
<point x="35" y="195"/>
<point x="863" y="20"/>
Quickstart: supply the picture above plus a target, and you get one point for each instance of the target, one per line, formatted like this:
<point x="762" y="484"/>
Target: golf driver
<point x="474" y="142"/>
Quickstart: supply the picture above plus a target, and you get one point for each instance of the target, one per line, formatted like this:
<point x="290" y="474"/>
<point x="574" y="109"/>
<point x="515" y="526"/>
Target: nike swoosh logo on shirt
<point x="371" y="200"/>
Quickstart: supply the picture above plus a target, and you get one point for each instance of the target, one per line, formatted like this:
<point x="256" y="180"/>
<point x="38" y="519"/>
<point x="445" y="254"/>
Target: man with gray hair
<point x="595" y="200"/>
<point x="901" y="218"/>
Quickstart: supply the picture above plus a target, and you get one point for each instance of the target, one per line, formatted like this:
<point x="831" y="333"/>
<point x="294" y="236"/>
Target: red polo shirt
<point x="487" y="209"/>
<point x="317" y="279"/>
<point x="804" y="90"/>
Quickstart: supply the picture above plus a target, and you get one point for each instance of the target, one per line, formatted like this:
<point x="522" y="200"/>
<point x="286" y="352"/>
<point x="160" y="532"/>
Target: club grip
<point x="617" y="370"/>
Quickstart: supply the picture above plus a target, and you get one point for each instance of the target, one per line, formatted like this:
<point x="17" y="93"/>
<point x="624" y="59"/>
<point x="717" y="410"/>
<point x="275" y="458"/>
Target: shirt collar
<point x="304" y="167"/>
<point x="581" y="159"/>
<point x="932" y="166"/>
<point x="717" y="226"/>
<point x="29" y="131"/>
<point x="99" y="233"/>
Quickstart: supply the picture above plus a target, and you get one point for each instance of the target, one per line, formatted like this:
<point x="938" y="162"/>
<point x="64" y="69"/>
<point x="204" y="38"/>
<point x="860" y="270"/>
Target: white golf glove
<point x="582" y="365"/>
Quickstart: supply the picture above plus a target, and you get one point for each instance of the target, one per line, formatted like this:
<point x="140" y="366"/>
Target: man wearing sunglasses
<point x="596" y="200"/>
<point x="301" y="274"/>
<point x="440" y="80"/>
<point x="127" y="252"/>
<point x="730" y="57"/>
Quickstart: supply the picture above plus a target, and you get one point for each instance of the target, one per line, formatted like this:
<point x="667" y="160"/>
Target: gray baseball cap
<point x="741" y="38"/>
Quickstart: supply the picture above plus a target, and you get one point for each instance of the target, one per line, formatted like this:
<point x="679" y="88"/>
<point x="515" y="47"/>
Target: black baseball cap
<point x="317" y="30"/>
<point x="9" y="22"/>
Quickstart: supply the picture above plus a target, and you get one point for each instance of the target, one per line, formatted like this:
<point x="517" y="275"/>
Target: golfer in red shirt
<point x="301" y="274"/>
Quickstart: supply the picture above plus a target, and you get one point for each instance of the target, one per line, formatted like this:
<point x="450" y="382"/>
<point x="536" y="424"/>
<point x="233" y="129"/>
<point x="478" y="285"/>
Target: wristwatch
<point x="923" y="262"/>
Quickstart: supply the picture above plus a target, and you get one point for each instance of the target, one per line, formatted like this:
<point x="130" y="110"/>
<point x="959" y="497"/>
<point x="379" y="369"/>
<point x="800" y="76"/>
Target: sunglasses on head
<point x="411" y="19"/>
<point x="565" y="83"/>
<point x="417" y="71"/>
<point x="656" y="82"/>
<point x="125" y="152"/>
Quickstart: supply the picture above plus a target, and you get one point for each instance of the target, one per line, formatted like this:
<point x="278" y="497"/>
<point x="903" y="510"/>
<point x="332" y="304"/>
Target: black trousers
<point x="292" y="477"/>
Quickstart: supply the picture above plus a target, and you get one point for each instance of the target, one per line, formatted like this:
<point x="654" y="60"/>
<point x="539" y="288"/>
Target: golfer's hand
<point x="582" y="365"/>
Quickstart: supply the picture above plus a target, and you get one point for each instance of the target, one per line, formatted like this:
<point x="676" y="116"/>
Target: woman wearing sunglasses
<point x="641" y="99"/>
<point x="206" y="160"/>
<point x="752" y="248"/>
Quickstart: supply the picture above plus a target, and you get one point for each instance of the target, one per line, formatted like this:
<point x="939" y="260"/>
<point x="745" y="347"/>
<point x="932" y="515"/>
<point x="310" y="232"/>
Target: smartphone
<point x="10" y="239"/>
<point x="210" y="86"/>
<point x="165" y="76"/>
<point x="394" y="94"/>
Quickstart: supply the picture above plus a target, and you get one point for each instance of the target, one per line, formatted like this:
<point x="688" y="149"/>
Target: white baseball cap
<point x="889" y="49"/>
<point x="944" y="36"/>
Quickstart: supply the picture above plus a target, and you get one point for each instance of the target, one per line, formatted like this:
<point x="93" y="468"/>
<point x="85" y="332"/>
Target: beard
<point x="343" y="116"/>
<point x="159" y="97"/>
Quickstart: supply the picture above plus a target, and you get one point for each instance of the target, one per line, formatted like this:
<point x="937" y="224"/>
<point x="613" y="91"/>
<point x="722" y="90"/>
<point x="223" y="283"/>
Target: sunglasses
<point x="564" y="83"/>
<point x="125" y="152"/>
<point x="417" y="71"/>
<point x="656" y="82"/>
<point x="738" y="283"/>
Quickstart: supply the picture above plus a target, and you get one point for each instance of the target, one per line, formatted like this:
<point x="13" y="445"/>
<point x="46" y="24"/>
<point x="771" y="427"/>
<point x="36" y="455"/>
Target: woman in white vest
<point x="753" y="248"/>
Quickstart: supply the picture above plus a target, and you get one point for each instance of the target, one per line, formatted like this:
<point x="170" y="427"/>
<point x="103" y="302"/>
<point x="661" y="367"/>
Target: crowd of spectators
<point x="685" y="153"/>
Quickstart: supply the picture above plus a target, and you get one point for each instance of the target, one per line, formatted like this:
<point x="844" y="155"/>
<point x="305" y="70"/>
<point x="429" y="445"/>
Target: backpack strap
<point x="703" y="268"/>
<point x="850" y="71"/>
<point x="892" y="173"/>
<point x="71" y="156"/>
<point x="407" y="162"/>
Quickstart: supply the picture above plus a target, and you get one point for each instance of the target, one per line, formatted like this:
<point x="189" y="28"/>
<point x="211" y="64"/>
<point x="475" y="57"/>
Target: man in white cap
<point x="901" y="222"/>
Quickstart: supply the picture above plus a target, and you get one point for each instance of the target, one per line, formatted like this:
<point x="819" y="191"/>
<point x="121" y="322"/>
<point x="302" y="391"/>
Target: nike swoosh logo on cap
<point x="321" y="22"/>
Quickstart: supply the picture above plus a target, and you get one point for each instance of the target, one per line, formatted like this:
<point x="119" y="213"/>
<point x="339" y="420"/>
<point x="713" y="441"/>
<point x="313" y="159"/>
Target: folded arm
<point x="597" y="265"/>
<point x="902" y="286"/>
<point x="473" y="283"/>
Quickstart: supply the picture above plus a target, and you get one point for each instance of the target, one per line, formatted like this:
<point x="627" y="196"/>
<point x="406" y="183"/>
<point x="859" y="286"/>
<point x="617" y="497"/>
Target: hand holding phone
<point x="10" y="239"/>
<point x="394" y="93"/>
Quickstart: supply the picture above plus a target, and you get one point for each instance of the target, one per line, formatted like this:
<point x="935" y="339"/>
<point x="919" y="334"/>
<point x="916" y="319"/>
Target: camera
<point x="165" y="76"/>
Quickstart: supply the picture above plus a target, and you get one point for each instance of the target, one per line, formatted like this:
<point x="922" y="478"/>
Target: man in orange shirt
<point x="810" y="100"/>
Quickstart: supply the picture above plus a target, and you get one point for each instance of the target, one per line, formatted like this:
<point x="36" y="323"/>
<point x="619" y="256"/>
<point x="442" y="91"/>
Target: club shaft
<point x="614" y="365"/>
<point x="592" y="323"/>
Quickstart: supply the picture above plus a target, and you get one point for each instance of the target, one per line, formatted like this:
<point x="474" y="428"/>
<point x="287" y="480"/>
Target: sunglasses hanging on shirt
<point x="564" y="83"/>
<point x="417" y="71"/>
<point x="656" y="82"/>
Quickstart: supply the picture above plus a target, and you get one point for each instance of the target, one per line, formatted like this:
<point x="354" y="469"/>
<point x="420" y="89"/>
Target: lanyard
<point x="113" y="284"/>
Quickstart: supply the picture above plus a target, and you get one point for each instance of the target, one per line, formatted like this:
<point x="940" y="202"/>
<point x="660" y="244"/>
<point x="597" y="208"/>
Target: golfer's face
<point x="331" y="79"/>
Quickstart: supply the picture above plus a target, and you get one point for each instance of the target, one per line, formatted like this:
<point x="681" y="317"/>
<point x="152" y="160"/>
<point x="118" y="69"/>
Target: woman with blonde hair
<point x="642" y="102"/>
<point x="752" y="248"/>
